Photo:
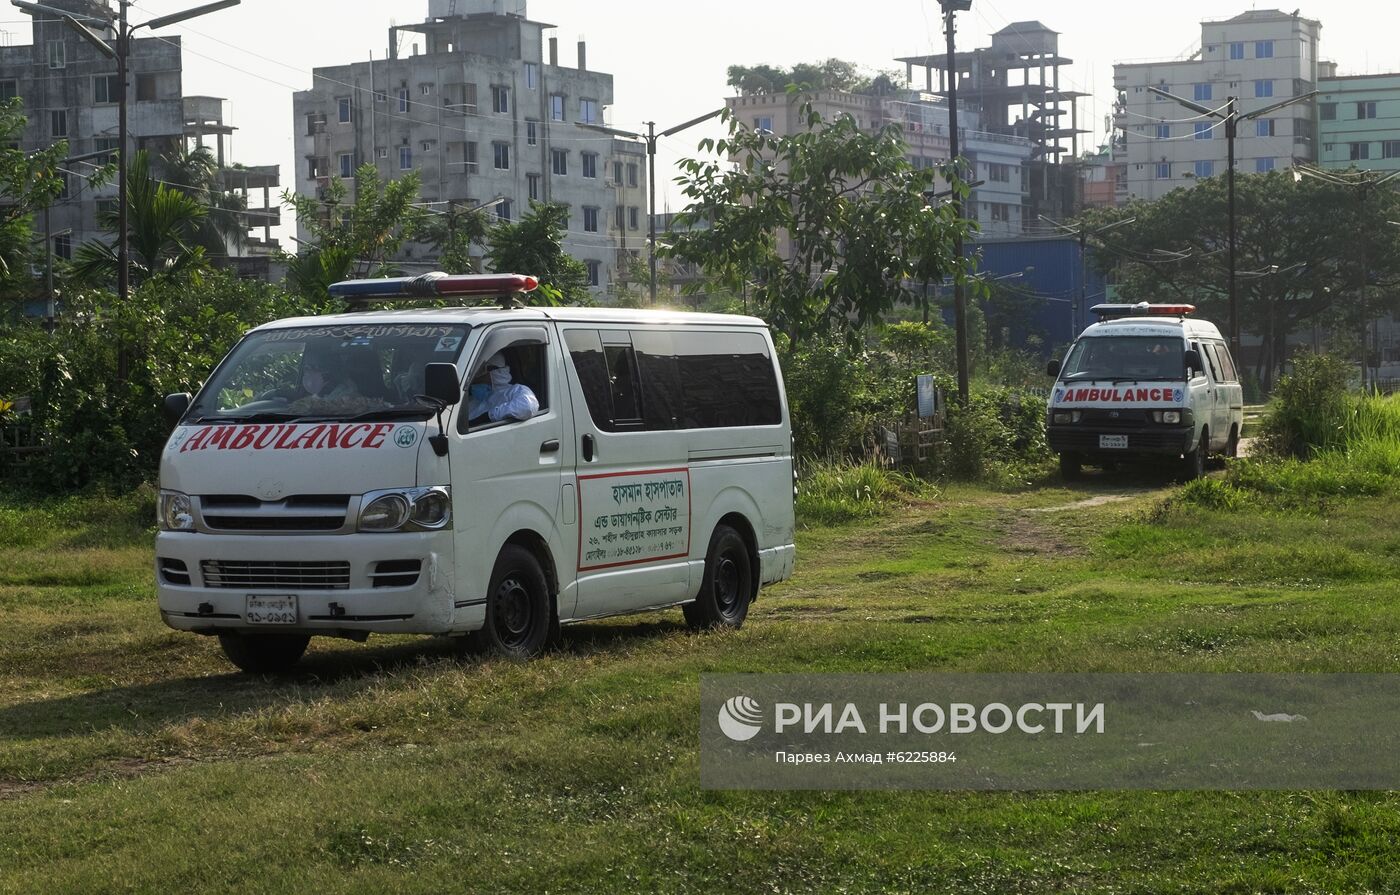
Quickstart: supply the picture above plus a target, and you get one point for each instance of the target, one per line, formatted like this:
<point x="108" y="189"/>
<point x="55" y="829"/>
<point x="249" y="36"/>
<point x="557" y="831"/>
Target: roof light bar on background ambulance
<point x="1142" y="309"/>
<point x="432" y="286"/>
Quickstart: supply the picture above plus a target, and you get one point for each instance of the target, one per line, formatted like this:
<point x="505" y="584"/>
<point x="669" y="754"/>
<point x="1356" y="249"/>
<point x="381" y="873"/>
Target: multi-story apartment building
<point x="1258" y="58"/>
<point x="70" y="92"/>
<point x="999" y="204"/>
<point x="482" y="109"/>
<point x="627" y="174"/>
<point x="1359" y="122"/>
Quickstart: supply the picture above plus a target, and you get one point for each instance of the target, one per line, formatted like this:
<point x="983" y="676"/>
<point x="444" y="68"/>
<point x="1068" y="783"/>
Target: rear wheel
<point x="264" y="653"/>
<point x="1071" y="466"/>
<point x="1232" y="450"/>
<point x="728" y="587"/>
<point x="519" y="616"/>
<point x="1193" y="466"/>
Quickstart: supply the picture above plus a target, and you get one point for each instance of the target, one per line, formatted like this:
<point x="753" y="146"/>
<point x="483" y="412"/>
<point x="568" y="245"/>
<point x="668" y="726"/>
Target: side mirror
<point x="1193" y="360"/>
<point x="1052" y="369"/>
<point x="176" y="405"/>
<point x="440" y="383"/>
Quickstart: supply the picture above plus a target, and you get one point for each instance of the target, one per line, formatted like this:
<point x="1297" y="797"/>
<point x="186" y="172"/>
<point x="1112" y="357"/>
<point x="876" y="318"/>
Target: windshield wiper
<point x="252" y="418"/>
<point x="422" y="411"/>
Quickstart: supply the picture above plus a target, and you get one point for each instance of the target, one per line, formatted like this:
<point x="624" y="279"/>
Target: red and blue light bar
<point x="1142" y="309"/>
<point x="436" y="285"/>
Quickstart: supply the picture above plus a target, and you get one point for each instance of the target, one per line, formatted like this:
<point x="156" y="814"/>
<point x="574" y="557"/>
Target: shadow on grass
<point x="341" y="672"/>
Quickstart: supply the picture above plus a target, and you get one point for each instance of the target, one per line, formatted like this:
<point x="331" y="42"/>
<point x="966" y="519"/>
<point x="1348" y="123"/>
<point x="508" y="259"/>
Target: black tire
<point x="728" y="588"/>
<point x="520" y="618"/>
<point x="1232" y="449"/>
<point x="1193" y="465"/>
<point x="264" y="653"/>
<point x="1071" y="467"/>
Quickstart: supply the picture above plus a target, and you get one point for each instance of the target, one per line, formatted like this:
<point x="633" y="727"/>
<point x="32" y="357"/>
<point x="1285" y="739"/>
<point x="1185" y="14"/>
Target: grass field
<point x="131" y="759"/>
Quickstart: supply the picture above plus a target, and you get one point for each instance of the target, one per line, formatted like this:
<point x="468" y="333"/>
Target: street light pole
<point x="1229" y="115"/>
<point x="950" y="9"/>
<point x="652" y="137"/>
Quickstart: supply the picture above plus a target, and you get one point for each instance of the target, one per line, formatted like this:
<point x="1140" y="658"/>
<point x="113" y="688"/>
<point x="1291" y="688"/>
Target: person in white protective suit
<point x="494" y="396"/>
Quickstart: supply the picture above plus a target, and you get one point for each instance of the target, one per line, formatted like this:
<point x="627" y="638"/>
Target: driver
<point x="493" y="396"/>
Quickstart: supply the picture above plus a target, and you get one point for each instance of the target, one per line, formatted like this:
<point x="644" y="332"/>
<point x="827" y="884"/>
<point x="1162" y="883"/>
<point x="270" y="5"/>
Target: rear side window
<point x="676" y="380"/>
<point x="1227" y="363"/>
<point x="1212" y="361"/>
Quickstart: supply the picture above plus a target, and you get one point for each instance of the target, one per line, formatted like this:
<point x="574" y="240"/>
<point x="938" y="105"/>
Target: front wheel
<point x="1071" y="467"/>
<point x="1193" y="466"/>
<point x="519" y="616"/>
<point x="264" y="653"/>
<point x="728" y="587"/>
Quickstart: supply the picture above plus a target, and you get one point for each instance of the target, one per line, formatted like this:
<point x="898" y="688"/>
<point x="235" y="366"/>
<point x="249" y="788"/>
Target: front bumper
<point x="209" y="599"/>
<point x="1084" y="440"/>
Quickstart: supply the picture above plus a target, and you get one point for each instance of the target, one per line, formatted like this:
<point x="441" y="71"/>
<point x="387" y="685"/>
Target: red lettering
<point x="196" y="442"/>
<point x="376" y="439"/>
<point x="331" y="438"/>
<point x="309" y="439"/>
<point x="1155" y="394"/>
<point x="1128" y="397"/>
<point x="244" y="437"/>
<point x="219" y="438"/>
<point x="284" y="443"/>
<point x="347" y="440"/>
<point x="1093" y="394"/>
<point x="266" y="438"/>
<point x="1142" y="394"/>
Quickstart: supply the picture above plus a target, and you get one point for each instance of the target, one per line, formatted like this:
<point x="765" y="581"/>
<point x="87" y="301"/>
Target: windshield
<point x="1126" y="358"/>
<point x="328" y="373"/>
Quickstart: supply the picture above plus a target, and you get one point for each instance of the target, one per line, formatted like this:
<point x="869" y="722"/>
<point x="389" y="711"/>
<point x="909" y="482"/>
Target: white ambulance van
<point x="341" y="476"/>
<point x="1145" y="381"/>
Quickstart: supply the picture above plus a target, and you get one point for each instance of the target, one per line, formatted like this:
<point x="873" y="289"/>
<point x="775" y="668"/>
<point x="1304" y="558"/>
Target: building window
<point x="425" y="89"/>
<point x="1327" y="111"/>
<point x="1164" y="171"/>
<point x="405" y="158"/>
<point x="617" y="173"/>
<point x="763" y="125"/>
<point x="58" y="54"/>
<point x="1365" y="111"/>
<point x="382" y="152"/>
<point x="1263" y="49"/>
<point x="532" y="133"/>
<point x="620" y="218"/>
<point x="559" y="161"/>
<point x="1203" y="92"/>
<point x="1390" y="149"/>
<point x="106" y="89"/>
<point x="998" y="173"/>
<point x="1263" y="88"/>
<point x="1263" y="165"/>
<point x="1000" y="212"/>
<point x="428" y="145"/>
<point x="106" y="144"/>
<point x="145" y="88"/>
<point x="1204" y="130"/>
<point x="470" y="157"/>
<point x="1237" y="50"/>
<point x="347" y="165"/>
<point x="63" y="247"/>
<point x="58" y="123"/>
<point x="501" y="156"/>
<point x="346" y="110"/>
<point x="1164" y="131"/>
<point x="8" y="90"/>
<point x="595" y="272"/>
<point x="1205" y="168"/>
<point x="381" y="96"/>
<point x="532" y="75"/>
<point x="500" y="100"/>
<point x="631" y="175"/>
<point x="556" y="107"/>
<point x="1360" y="151"/>
<point x="588" y="111"/>
<point x="403" y="99"/>
<point x="590" y="220"/>
<point x="504" y="210"/>
<point x="533" y="180"/>
<point x="634" y="218"/>
<point x="590" y="165"/>
<point x="1264" y="127"/>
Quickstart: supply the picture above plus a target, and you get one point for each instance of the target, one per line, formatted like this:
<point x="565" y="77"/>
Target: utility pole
<point x="950" y="9"/>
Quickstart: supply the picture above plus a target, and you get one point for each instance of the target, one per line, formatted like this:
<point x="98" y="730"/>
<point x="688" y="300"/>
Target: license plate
<point x="272" y="610"/>
<point x="1113" y="442"/>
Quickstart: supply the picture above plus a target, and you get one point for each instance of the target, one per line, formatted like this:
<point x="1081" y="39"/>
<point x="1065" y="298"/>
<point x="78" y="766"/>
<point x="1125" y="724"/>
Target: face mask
<point x="480" y="392"/>
<point x="500" y="378"/>
<point x="313" y="383"/>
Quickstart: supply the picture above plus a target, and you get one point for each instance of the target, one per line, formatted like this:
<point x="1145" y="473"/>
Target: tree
<point x="832" y="74"/>
<point x="454" y="233"/>
<point x="29" y="182"/>
<point x="353" y="239"/>
<point x="534" y="246"/>
<point x="162" y="225"/>
<point x="195" y="172"/>
<point x="824" y="229"/>
<point x="1301" y="250"/>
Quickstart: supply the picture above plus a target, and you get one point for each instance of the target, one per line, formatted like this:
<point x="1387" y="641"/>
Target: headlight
<point x="1170" y="417"/>
<point x="175" y="512"/>
<point x="410" y="509"/>
<point x="1062" y="417"/>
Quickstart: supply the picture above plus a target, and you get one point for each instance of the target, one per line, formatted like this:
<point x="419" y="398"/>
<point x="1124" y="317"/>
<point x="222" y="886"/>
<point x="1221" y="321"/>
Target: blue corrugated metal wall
<point x="1055" y="280"/>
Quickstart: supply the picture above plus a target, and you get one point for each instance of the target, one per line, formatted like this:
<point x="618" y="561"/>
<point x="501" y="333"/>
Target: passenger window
<point x="586" y="352"/>
<point x="1212" y="361"/>
<point x="728" y="380"/>
<point x="1201" y="350"/>
<point x="622" y="382"/>
<point x="663" y="397"/>
<point x="510" y="392"/>
<point x="1227" y="363"/>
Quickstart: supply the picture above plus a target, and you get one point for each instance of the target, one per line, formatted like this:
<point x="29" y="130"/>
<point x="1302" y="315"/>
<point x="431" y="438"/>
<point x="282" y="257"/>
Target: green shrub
<point x="997" y="434"/>
<point x="1310" y="408"/>
<point x="1214" y="494"/>
<point x="833" y="494"/>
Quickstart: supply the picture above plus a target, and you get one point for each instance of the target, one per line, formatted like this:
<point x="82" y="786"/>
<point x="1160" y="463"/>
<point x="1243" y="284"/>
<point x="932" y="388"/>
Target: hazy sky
<point x="669" y="58"/>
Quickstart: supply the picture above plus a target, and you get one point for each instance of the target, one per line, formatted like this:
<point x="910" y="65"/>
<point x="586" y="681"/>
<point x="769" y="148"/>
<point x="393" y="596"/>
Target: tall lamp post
<point x="950" y="10"/>
<point x="120" y="50"/>
<point x="1231" y="117"/>
<point x="651" y="136"/>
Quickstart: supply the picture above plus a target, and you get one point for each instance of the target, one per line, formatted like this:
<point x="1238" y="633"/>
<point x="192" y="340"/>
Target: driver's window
<point x="508" y="386"/>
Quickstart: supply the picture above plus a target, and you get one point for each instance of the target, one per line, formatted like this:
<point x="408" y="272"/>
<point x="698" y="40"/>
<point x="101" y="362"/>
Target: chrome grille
<point x="255" y="575"/>
<point x="306" y="512"/>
